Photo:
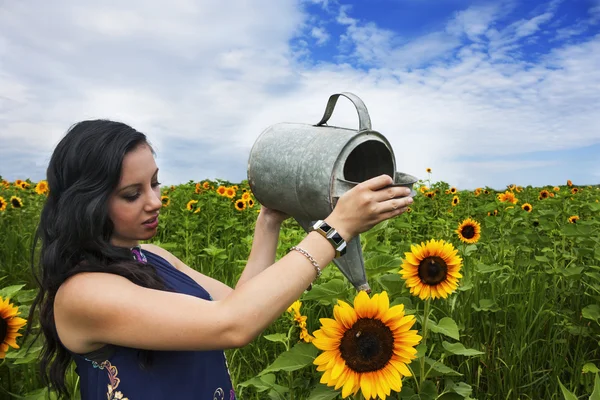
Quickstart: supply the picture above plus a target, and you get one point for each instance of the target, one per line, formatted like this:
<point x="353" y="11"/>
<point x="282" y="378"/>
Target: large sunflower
<point x="455" y="201"/>
<point x="367" y="347"/>
<point x="9" y="326"/>
<point x="230" y="192"/>
<point x="16" y="202"/>
<point x="221" y="190"/>
<point x="431" y="269"/>
<point x="544" y="194"/>
<point x="3" y="204"/>
<point x="469" y="231"/>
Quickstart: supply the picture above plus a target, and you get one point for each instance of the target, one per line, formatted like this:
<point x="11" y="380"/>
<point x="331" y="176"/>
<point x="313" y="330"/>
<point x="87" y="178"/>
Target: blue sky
<point x="486" y="93"/>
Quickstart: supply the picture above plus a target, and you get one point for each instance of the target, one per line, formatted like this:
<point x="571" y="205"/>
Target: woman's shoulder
<point x="159" y="251"/>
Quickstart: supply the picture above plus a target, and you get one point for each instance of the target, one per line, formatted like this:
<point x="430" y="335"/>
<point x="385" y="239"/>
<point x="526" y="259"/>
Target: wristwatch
<point x="329" y="233"/>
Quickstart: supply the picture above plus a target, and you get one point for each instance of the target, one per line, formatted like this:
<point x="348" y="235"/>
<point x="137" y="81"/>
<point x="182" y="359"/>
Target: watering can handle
<point x="364" y="121"/>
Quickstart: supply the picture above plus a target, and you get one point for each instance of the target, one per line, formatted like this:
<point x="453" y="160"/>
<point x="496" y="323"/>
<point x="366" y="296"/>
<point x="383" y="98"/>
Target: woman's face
<point x="134" y="206"/>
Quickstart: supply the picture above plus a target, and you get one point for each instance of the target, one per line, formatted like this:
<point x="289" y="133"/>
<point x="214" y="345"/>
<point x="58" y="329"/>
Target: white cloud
<point x="320" y="35"/>
<point x="203" y="81"/>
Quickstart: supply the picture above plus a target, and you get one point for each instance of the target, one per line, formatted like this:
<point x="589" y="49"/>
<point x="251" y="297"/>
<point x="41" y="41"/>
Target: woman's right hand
<point x="367" y="204"/>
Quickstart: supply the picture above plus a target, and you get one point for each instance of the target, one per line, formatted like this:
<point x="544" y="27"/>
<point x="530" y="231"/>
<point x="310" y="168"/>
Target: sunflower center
<point x="3" y="329"/>
<point x="15" y="203"/>
<point x="433" y="270"/>
<point x="367" y="346"/>
<point x="468" y="232"/>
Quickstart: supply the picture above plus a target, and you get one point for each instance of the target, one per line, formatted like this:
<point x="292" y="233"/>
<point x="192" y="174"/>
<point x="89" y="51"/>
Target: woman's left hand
<point x="273" y="216"/>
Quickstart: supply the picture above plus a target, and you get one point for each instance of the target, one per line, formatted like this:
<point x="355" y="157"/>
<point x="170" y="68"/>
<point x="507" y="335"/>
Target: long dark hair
<point x="75" y="228"/>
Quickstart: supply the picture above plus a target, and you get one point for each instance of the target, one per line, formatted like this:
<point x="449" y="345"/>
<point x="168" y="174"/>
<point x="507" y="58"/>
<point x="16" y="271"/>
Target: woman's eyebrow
<point x="137" y="184"/>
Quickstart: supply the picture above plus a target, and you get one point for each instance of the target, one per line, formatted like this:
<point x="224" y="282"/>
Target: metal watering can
<point x="303" y="169"/>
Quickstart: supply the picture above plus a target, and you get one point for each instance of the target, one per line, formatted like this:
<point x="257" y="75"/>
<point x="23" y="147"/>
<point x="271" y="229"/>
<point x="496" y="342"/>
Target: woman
<point x="137" y="321"/>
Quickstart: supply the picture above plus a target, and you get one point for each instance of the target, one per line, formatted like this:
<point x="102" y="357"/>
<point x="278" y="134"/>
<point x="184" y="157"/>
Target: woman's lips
<point x="152" y="222"/>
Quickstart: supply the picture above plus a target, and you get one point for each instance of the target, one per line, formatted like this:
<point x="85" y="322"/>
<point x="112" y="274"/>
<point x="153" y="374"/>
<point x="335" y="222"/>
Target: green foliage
<point x="524" y="323"/>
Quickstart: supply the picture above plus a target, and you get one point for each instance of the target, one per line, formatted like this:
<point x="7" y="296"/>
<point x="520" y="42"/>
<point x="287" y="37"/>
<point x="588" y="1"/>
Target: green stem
<point x="424" y="342"/>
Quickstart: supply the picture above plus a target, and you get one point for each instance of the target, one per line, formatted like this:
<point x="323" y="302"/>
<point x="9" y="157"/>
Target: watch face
<point x="337" y="238"/>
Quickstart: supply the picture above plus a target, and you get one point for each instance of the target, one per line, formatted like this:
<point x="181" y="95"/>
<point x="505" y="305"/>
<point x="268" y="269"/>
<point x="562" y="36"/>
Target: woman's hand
<point x="272" y="217"/>
<point x="368" y="204"/>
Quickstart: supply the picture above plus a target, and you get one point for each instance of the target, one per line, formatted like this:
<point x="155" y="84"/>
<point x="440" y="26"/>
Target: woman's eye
<point x="132" y="197"/>
<point x="155" y="184"/>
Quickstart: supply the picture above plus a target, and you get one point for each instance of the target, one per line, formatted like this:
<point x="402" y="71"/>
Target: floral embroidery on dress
<point x="112" y="371"/>
<point x="219" y="394"/>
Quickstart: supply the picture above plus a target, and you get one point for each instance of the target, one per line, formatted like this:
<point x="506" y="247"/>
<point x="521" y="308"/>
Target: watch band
<point x="332" y="236"/>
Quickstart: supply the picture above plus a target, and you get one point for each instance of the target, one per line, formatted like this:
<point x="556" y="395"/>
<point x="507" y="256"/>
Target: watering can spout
<point x="351" y="264"/>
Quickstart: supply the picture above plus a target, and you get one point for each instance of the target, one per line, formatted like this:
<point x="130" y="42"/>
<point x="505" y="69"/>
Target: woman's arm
<point x="264" y="245"/>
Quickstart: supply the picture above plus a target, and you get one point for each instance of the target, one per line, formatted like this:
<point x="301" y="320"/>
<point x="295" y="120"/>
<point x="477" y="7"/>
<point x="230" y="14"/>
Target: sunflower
<point x="556" y="188"/>
<point x="486" y="191"/>
<point x="230" y="192"/>
<point x="165" y="201"/>
<point x="191" y="205"/>
<point x="469" y="231"/>
<point x="544" y="194"/>
<point x="206" y="185"/>
<point x="431" y="269"/>
<point x="240" y="205"/>
<point x="16" y="202"/>
<point x="409" y="210"/>
<point x="221" y="190"/>
<point x="198" y="188"/>
<point x="41" y="187"/>
<point x="9" y="326"/>
<point x="455" y="201"/>
<point x="431" y="195"/>
<point x="428" y="170"/>
<point x="573" y="219"/>
<point x="574" y="190"/>
<point x="366" y="347"/>
<point x="250" y="203"/>
<point x="569" y="183"/>
<point x="492" y="214"/>
<point x="477" y="191"/>
<point x="245" y="196"/>
<point x="423" y="189"/>
<point x="519" y="189"/>
<point x="452" y="190"/>
<point x="18" y="182"/>
<point x="3" y="204"/>
<point x="508" y="197"/>
<point x="527" y="207"/>
<point x="512" y="187"/>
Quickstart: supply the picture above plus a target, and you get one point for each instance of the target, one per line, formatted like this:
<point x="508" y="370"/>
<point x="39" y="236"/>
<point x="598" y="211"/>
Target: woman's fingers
<point x="395" y="204"/>
<point x="378" y="182"/>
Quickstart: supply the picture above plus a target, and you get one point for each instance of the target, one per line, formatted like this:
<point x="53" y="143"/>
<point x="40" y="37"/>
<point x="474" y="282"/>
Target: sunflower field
<point x="480" y="294"/>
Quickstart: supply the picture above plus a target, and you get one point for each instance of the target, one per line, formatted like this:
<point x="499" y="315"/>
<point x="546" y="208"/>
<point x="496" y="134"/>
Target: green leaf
<point x="543" y="259"/>
<point x="393" y="284"/>
<point x="459" y="349"/>
<point x="9" y="291"/>
<point x="323" y="392"/>
<point x="596" y="393"/>
<point x="446" y="326"/>
<point x="461" y="388"/>
<point x="590" y="367"/>
<point x="261" y="383"/>
<point x="571" y="271"/>
<point x="421" y="350"/>
<point x="486" y="305"/>
<point x="591" y="312"/>
<point x="470" y="249"/>
<point x="277" y="337"/>
<point x="441" y="368"/>
<point x="381" y="263"/>
<point x="299" y="356"/>
<point x="568" y="395"/>
<point x="428" y="391"/>
<point x="327" y="292"/>
<point x="486" y="269"/>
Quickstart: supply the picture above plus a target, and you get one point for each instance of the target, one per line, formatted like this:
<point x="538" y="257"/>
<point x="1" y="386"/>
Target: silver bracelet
<point x="310" y="258"/>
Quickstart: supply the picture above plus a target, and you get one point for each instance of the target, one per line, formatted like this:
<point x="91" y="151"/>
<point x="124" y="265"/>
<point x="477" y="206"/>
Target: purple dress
<point x="113" y="372"/>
